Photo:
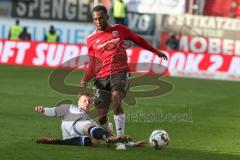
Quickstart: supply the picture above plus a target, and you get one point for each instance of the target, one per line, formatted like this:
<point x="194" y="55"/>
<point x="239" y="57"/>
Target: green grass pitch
<point x="202" y="118"/>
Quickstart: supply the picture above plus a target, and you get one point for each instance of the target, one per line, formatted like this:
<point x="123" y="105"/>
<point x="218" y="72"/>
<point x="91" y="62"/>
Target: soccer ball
<point x="159" y="139"/>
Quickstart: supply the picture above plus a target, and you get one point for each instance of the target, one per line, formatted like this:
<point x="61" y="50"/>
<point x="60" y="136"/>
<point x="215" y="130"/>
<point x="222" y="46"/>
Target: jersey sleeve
<point x="49" y="112"/>
<point x="90" y="73"/>
<point x="129" y="35"/>
<point x="62" y="110"/>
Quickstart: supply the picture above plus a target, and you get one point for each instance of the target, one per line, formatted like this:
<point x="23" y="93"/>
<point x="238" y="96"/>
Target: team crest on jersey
<point x="115" y="33"/>
<point x="97" y="41"/>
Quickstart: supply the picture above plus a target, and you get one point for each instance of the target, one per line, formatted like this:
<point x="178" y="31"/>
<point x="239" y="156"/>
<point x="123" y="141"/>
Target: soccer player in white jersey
<point x="77" y="127"/>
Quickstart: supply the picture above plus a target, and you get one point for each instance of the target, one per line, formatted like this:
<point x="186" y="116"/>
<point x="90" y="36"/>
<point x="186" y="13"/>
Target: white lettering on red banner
<point x="13" y="51"/>
<point x="183" y="64"/>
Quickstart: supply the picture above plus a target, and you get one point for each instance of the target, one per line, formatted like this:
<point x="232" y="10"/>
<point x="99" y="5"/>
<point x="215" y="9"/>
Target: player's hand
<point x="83" y="84"/>
<point x="162" y="55"/>
<point x="96" y="141"/>
<point x="140" y="143"/>
<point x="39" y="109"/>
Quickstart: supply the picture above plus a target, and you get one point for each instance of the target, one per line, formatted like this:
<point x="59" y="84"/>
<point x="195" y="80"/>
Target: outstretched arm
<point x="143" y="43"/>
<point x="137" y="144"/>
<point x="46" y="111"/>
<point x="90" y="73"/>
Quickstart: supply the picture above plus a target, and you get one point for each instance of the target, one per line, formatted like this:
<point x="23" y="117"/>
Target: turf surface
<point x="201" y="116"/>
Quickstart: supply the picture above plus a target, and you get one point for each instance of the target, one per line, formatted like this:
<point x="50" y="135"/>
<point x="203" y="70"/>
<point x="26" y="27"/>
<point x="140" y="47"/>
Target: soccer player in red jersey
<point x="108" y="65"/>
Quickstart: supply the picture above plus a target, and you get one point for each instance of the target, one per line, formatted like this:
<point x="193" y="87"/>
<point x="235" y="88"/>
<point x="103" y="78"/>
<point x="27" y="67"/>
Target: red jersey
<point x="107" y="52"/>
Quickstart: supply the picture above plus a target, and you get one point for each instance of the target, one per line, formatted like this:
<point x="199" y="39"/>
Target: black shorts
<point x="103" y="87"/>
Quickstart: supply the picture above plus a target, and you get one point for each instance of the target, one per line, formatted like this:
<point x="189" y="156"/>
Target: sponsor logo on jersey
<point x="115" y="33"/>
<point x="109" y="42"/>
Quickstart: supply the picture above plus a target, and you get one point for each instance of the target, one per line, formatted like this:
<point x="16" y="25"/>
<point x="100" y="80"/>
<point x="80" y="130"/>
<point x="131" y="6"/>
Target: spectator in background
<point x="15" y="31"/>
<point x="172" y="42"/>
<point x="119" y="11"/>
<point x="25" y="35"/>
<point x="51" y="35"/>
<point x="199" y="6"/>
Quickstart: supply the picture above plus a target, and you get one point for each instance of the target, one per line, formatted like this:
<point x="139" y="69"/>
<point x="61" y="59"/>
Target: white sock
<point x="119" y="124"/>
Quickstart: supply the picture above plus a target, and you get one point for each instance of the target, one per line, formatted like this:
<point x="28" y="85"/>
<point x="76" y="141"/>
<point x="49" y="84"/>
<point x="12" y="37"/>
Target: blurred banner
<point x="141" y="23"/>
<point x="207" y="66"/>
<point x="64" y="10"/>
<point x="5" y="8"/>
<point x="205" y="26"/>
<point x="70" y="32"/>
<point x="219" y="8"/>
<point x="181" y="64"/>
<point x="197" y="44"/>
<point x="156" y="6"/>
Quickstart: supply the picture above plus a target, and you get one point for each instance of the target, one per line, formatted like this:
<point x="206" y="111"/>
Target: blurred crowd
<point x="119" y="15"/>
<point x="19" y="32"/>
